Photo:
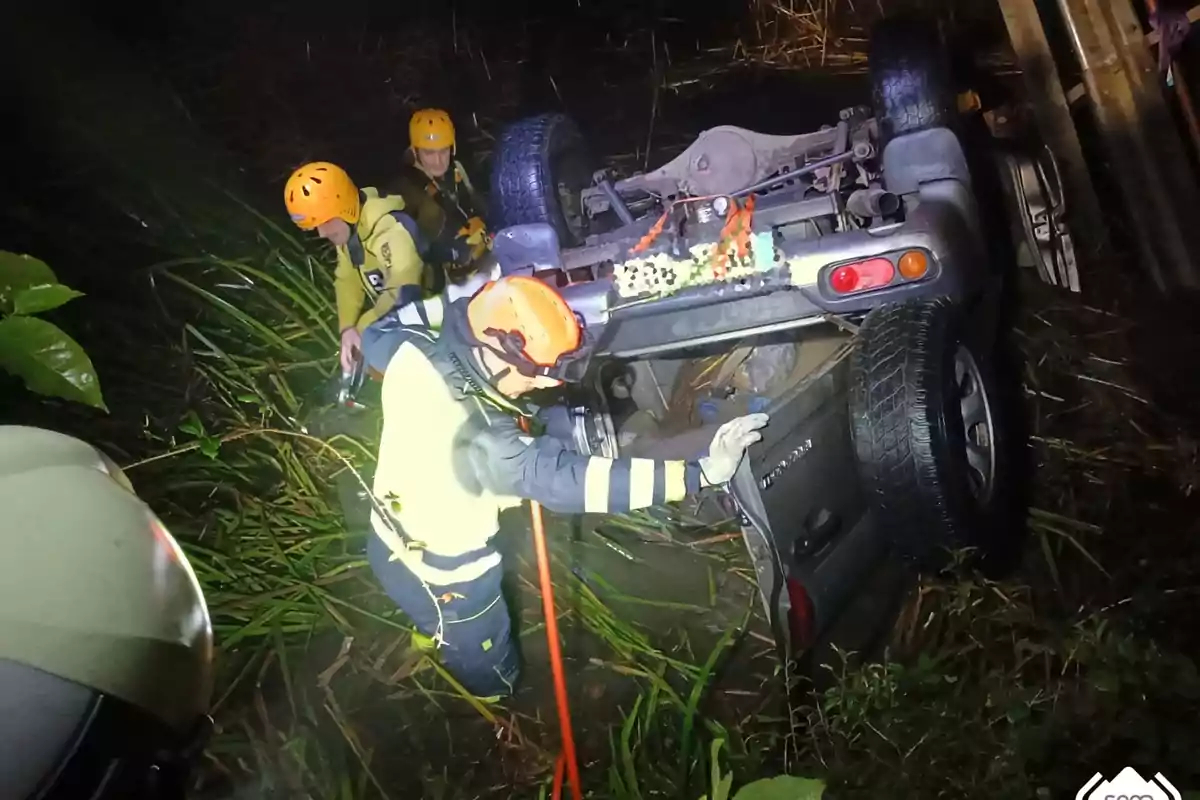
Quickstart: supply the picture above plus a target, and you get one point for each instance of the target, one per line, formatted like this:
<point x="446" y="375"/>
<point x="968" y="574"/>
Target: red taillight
<point x="869" y="274"/>
<point x="844" y="279"/>
<point x="801" y="621"/>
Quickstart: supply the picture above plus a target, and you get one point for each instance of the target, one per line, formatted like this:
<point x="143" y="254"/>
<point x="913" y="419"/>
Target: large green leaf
<point x="783" y="787"/>
<point x="48" y="360"/>
<point x="18" y="272"/>
<point x="36" y="299"/>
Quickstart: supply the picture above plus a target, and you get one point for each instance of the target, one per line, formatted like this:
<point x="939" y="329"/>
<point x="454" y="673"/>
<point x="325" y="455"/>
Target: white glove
<point x="728" y="447"/>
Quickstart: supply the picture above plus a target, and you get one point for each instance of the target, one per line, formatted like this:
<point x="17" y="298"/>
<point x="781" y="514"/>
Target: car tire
<point x="541" y="166"/>
<point x="928" y="428"/>
<point x="911" y="81"/>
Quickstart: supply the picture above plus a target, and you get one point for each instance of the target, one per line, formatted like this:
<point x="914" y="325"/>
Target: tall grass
<point x="985" y="683"/>
<point x="298" y="618"/>
<point x="989" y="690"/>
<point x="283" y="576"/>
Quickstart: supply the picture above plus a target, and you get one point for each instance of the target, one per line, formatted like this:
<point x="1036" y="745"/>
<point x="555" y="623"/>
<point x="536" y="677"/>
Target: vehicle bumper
<point x="942" y="222"/>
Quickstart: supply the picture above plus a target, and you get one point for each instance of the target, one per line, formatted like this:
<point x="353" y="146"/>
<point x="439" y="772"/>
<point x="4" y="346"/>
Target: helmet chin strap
<point x="493" y="378"/>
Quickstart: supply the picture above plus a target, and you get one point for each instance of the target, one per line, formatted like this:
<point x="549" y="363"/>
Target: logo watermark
<point x="1128" y="785"/>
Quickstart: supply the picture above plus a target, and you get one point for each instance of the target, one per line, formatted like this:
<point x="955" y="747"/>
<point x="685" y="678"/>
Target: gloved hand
<point x="728" y="447"/>
<point x="474" y="233"/>
<point x="351" y="344"/>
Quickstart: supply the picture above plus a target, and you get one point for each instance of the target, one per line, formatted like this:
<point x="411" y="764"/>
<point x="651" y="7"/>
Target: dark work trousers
<point x="478" y="647"/>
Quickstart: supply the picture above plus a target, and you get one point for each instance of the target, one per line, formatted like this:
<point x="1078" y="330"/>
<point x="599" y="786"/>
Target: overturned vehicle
<point x="844" y="281"/>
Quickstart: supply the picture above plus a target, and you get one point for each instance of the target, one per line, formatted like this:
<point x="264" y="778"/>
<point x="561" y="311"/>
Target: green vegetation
<point x="249" y="493"/>
<point x="38" y="352"/>
<point x="997" y="689"/>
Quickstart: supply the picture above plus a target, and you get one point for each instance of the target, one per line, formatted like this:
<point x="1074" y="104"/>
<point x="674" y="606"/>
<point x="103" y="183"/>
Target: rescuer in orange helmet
<point x="440" y="195"/>
<point x="378" y="246"/>
<point x="452" y="456"/>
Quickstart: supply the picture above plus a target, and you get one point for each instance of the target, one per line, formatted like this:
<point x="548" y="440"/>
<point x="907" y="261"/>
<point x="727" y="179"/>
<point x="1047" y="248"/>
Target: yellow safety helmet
<point x="431" y="129"/>
<point x="319" y="192"/>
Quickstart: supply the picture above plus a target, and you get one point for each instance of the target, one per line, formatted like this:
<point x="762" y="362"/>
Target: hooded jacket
<point x="382" y="256"/>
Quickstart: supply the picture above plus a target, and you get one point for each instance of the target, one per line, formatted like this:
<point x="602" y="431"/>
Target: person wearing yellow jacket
<point x="440" y="195"/>
<point x="453" y="455"/>
<point x="378" y="246"/>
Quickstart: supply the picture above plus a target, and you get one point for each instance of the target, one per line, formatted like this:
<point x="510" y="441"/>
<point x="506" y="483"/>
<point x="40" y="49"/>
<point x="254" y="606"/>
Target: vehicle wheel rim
<point x="978" y="428"/>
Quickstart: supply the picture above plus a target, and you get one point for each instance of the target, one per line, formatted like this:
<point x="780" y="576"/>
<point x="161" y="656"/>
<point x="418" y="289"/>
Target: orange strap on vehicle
<point x="736" y="231"/>
<point x="567" y="758"/>
<point x="734" y="235"/>
<point x="654" y="232"/>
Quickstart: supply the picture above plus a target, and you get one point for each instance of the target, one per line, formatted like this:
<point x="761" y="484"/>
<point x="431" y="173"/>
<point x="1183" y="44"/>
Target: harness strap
<point x="414" y="231"/>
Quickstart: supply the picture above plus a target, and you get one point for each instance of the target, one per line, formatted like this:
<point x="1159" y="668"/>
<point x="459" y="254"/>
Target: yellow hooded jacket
<point x="381" y="257"/>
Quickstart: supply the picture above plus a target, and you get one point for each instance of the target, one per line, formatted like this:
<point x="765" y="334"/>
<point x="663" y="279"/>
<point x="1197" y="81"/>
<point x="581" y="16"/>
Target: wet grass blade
<point x="693" y="703"/>
<point x="264" y="332"/>
<point x="628" y="762"/>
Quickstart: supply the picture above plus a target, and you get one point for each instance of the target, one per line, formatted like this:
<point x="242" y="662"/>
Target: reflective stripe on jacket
<point x="452" y="456"/>
<point x="412" y="311"/>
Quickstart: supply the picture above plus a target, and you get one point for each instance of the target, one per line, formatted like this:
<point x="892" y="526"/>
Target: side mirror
<point x="525" y="249"/>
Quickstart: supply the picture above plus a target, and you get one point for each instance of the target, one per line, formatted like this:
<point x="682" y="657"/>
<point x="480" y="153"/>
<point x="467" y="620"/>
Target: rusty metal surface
<point x="726" y="159"/>
<point x="1143" y="141"/>
<point x="1051" y="111"/>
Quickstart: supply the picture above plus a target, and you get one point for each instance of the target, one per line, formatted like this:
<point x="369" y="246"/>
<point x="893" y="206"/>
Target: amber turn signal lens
<point x="913" y="264"/>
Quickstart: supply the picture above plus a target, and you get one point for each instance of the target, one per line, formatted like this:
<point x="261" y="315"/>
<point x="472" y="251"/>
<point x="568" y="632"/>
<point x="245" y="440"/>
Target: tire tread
<point x="522" y="186"/>
<point x="910" y="77"/>
<point x="900" y="436"/>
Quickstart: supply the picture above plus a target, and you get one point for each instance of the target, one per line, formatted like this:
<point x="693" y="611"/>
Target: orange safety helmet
<point x="319" y="192"/>
<point x="431" y="129"/>
<point x="533" y="323"/>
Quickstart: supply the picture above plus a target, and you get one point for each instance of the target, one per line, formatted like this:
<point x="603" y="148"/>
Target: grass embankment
<point x="997" y="688"/>
<point x="309" y="648"/>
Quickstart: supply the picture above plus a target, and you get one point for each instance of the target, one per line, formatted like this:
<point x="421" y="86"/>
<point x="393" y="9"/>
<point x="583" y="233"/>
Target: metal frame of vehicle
<point x="803" y="511"/>
<point x="927" y="171"/>
<point x="1104" y="62"/>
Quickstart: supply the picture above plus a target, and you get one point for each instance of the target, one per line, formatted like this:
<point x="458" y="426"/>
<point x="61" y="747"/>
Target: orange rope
<point x="556" y="664"/>
<point x="560" y="768"/>
<point x="736" y="234"/>
<point x="657" y="229"/>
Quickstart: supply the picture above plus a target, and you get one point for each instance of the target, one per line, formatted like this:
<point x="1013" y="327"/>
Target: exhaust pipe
<point x="873" y="202"/>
